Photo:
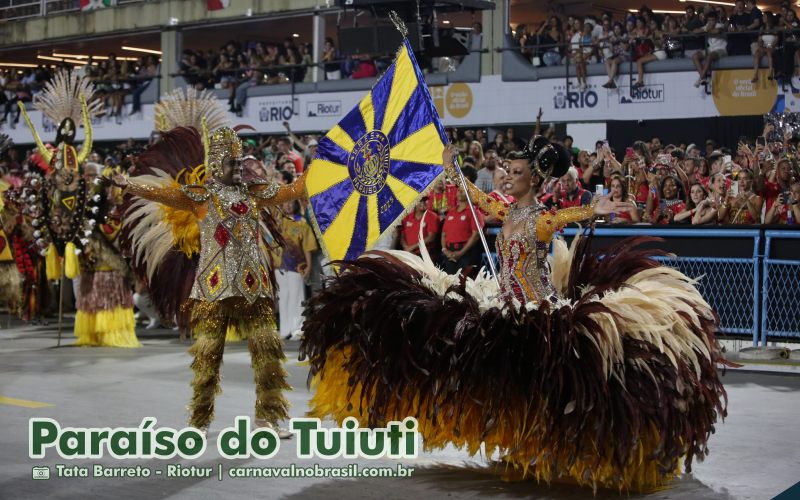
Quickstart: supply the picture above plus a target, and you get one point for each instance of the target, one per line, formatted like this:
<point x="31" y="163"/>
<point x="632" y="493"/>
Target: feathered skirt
<point x="10" y="286"/>
<point x="615" y="385"/>
<point x="104" y="314"/>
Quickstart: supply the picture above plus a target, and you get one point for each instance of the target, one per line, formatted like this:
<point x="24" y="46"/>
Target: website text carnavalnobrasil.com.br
<point x="221" y="472"/>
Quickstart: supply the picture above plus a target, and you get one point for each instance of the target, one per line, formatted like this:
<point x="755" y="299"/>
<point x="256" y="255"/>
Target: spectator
<point x="307" y="59"/>
<point x="618" y="192"/>
<point x="581" y="49"/>
<point x="717" y="47"/>
<point x="740" y="20"/>
<point x="787" y="55"/>
<point x="599" y="171"/>
<point x="295" y="268"/>
<point x="550" y="37"/>
<point x="620" y="53"/>
<point x="365" y="69"/>
<point x="513" y="142"/>
<point x="765" y="45"/>
<point x="719" y="196"/>
<point x="485" y="180"/>
<point x="571" y="193"/>
<point x="147" y="71"/>
<point x="778" y="182"/>
<point x="331" y="65"/>
<point x="499" y="145"/>
<point x="658" y="53"/>
<point x="700" y="208"/>
<point x="671" y="201"/>
<point x="409" y="236"/>
<point x="480" y="136"/>
<point x="285" y="147"/>
<point x="786" y="208"/>
<point x="692" y="23"/>
<point x="746" y="205"/>
<point x="476" y="152"/>
<point x="443" y="198"/>
<point x="460" y="236"/>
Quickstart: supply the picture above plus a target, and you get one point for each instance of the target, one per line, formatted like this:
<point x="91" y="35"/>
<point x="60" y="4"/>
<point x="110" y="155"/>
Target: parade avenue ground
<point x="754" y="453"/>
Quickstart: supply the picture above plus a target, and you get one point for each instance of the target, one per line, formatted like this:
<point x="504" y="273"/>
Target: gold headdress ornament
<point x="222" y="143"/>
<point x="189" y="108"/>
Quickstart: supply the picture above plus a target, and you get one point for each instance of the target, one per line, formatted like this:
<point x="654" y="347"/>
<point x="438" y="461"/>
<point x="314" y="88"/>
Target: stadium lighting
<point x="18" y="65"/>
<point x="727" y="4"/>
<point x="49" y="58"/>
<point x="633" y="11"/>
<point x="139" y="49"/>
<point x="99" y="58"/>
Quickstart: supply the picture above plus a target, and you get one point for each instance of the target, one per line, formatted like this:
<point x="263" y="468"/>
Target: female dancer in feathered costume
<point x="603" y="371"/>
<point x="72" y="215"/>
<point x="232" y="284"/>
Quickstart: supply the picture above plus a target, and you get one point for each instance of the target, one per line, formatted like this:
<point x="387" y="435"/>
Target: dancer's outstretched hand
<point x="448" y="154"/>
<point x="605" y="206"/>
<point x="118" y="179"/>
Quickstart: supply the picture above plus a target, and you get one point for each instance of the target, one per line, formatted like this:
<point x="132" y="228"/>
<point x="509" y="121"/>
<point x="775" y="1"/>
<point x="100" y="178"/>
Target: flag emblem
<point x="373" y="166"/>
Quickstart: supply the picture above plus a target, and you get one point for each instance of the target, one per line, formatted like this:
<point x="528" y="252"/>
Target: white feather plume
<point x="186" y="107"/>
<point x="61" y="98"/>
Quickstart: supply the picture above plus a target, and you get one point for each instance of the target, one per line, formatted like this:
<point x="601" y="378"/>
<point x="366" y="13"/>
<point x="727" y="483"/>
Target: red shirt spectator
<point x="782" y="183"/>
<point x="442" y="201"/>
<point x="411" y="223"/>
<point x="285" y="147"/>
<point x="459" y="226"/>
<point x="571" y="193"/>
<point x="297" y="160"/>
<point x="366" y="69"/>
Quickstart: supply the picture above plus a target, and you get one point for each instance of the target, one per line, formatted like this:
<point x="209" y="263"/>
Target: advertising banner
<point x="494" y="102"/>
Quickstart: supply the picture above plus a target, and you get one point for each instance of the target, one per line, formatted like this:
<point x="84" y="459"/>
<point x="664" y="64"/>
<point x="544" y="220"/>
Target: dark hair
<point x="287" y="177"/>
<point x="470" y="173"/>
<point x="285" y="140"/>
<point x="643" y="150"/>
<point x="689" y="201"/>
<point x="618" y="176"/>
<point x="678" y="187"/>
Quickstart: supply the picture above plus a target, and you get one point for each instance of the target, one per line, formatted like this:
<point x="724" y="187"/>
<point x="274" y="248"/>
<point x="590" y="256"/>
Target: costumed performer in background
<point x="70" y="210"/>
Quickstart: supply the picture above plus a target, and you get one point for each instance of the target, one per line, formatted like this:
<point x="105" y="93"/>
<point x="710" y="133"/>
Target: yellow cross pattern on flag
<point x="373" y="166"/>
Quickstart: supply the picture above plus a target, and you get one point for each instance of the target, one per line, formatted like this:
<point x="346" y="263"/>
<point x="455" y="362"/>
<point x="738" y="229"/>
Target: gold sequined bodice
<point x="523" y="265"/>
<point x="233" y="262"/>
<point x="524" y="268"/>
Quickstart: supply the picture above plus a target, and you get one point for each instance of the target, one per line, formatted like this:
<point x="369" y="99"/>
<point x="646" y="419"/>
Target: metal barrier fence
<point x="733" y="285"/>
<point x="780" y="316"/>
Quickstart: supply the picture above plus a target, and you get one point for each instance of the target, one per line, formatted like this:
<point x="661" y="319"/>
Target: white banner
<point x="491" y="102"/>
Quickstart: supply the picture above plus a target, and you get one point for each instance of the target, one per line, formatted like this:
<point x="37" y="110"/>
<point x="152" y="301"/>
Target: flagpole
<point x="477" y="222"/>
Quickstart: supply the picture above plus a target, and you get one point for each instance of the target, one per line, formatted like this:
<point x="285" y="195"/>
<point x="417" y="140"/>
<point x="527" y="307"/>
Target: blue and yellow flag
<point x="373" y="166"/>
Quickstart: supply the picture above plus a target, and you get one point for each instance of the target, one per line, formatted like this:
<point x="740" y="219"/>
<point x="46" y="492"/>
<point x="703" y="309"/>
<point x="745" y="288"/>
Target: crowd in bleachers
<point x="756" y="181"/>
<point x="114" y="78"/>
<point x="237" y="67"/>
<point x="704" y="34"/>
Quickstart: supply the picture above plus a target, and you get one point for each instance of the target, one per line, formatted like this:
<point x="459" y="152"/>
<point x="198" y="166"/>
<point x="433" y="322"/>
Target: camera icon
<point x="41" y="473"/>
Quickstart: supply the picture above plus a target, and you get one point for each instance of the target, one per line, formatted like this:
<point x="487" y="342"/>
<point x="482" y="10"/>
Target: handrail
<point x="40" y="8"/>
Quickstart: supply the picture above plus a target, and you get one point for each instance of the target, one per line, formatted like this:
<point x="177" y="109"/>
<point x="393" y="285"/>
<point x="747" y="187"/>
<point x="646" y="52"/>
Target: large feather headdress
<point x="188" y="108"/>
<point x="61" y="98"/>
